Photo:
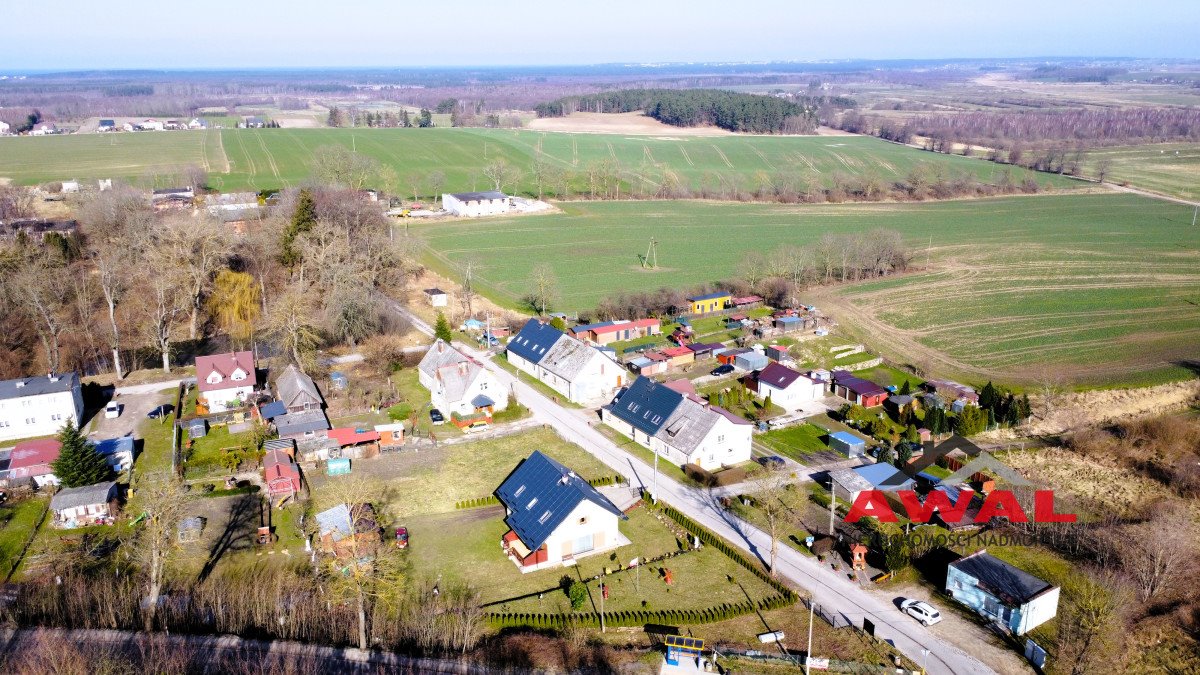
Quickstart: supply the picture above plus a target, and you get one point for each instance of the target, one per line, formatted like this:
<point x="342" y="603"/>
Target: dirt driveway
<point x="133" y="410"/>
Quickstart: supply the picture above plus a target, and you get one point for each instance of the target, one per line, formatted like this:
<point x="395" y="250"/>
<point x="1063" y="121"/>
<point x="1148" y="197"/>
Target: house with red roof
<point x="281" y="474"/>
<point x="355" y="443"/>
<point x="617" y="331"/>
<point x="679" y="356"/>
<point x="30" y="460"/>
<point x="225" y="381"/>
<point x="787" y="388"/>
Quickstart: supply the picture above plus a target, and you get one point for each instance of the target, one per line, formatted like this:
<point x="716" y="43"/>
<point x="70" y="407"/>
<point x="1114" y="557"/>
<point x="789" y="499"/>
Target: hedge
<point x="492" y="500"/>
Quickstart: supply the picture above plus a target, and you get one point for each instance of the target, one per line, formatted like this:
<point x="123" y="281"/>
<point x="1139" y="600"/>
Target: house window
<point x="720" y="439"/>
<point x="583" y="520"/>
<point x="30" y="420"/>
<point x="482" y="386"/>
<point x="544" y="518"/>
<point x="55" y="418"/>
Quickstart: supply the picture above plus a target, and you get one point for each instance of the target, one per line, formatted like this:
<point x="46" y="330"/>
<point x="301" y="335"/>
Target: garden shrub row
<point x="492" y="500"/>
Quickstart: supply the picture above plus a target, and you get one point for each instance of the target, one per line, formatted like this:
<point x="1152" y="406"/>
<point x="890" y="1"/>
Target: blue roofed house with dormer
<point x="554" y="516"/>
<point x="577" y="370"/>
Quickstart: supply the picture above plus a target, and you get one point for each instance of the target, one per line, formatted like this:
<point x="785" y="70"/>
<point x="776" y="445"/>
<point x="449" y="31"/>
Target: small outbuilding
<point x="437" y="297"/>
<point x="847" y="444"/>
<point x="339" y="466"/>
<point x="86" y="505"/>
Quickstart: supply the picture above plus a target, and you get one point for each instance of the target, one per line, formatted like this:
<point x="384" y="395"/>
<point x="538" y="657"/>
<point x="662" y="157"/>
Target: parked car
<point x="921" y="611"/>
<point x="436" y="416"/>
<point x="161" y="411"/>
<point x="401" y="537"/>
<point x="112" y="410"/>
<point x="773" y="462"/>
<point x="723" y="369"/>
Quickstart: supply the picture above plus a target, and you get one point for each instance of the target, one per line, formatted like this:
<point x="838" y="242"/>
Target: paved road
<point x="151" y="387"/>
<point x="828" y="589"/>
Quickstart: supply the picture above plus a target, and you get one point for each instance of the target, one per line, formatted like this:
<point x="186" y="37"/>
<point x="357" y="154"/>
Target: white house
<point x="474" y="204"/>
<point x="579" y="371"/>
<point x="225" y="381"/>
<point x="787" y="388"/>
<point x="80" y="506"/>
<point x="39" y="406"/>
<point x="197" y="123"/>
<point x="4" y="128"/>
<point x="458" y="383"/>
<point x="677" y="427"/>
<point x="555" y="517"/>
<point x="150" y="125"/>
<point x="1002" y="592"/>
<point x="437" y="297"/>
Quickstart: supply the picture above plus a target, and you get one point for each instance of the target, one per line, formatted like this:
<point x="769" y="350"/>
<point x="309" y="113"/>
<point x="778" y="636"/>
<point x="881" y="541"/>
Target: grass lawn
<point x="432" y="481"/>
<point x="466" y="546"/>
<point x="156" y="445"/>
<point x="544" y="389"/>
<point x="798" y="442"/>
<point x="628" y="445"/>
<point x="204" y="456"/>
<point x="886" y="375"/>
<point x="19" y="520"/>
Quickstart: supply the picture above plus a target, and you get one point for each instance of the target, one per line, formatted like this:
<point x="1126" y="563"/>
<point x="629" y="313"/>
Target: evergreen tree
<point x="767" y="402"/>
<point x="911" y="434"/>
<point x="1024" y="411"/>
<point x="988" y="397"/>
<point x="972" y="420"/>
<point x="79" y="463"/>
<point x="425" y="119"/>
<point x="404" y="120"/>
<point x="906" y="388"/>
<point x="886" y="455"/>
<point x="442" y="329"/>
<point x="558" y="323"/>
<point x="303" y="220"/>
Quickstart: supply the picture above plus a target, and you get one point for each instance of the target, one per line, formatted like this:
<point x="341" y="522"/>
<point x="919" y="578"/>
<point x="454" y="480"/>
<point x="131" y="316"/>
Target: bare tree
<point x="290" y="321"/>
<point x="165" y="301"/>
<point x="774" y="496"/>
<point x="437" y="181"/>
<point x="1157" y="554"/>
<point x="42" y="289"/>
<point x="501" y="173"/>
<point x="1102" y="168"/>
<point x="470" y="266"/>
<point x="163" y="500"/>
<point x="544" y="287"/>
<point x="198" y="250"/>
<point x="336" y="165"/>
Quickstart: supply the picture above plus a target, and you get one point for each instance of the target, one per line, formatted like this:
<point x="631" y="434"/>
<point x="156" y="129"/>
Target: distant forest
<point x="697" y="107"/>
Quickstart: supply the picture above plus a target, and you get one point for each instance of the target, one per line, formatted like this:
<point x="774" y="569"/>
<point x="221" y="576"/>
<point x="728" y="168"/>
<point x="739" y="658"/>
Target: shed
<point x="272" y="410"/>
<point x="190" y="529"/>
<point x="847" y="444"/>
<point x="197" y="428"/>
<point x="751" y="360"/>
<point x="788" y="324"/>
<point x="437" y="297"/>
<point x="338" y="467"/>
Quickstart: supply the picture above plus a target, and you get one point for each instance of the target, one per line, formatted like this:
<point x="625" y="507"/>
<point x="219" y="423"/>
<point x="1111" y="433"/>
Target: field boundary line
<point x="723" y="157"/>
<point x="686" y="156"/>
<point x="270" y="157"/>
<point x="612" y="152"/>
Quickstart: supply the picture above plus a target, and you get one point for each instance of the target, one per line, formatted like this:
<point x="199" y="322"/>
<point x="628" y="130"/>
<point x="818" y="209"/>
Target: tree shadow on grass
<point x="241" y="526"/>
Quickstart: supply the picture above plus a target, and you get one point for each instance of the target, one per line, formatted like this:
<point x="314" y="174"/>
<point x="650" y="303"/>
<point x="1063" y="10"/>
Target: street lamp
<point x="924" y="658"/>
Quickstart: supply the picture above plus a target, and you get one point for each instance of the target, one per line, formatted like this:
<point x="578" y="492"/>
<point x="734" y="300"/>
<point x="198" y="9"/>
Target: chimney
<point x="441" y="346"/>
<point x="462" y="367"/>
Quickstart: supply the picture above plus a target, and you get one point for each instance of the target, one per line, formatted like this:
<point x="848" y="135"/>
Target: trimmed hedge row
<point x="492" y="500"/>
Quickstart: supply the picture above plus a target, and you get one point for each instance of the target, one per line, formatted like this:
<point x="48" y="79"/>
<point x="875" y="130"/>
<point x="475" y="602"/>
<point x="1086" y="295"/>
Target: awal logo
<point x="967" y="506"/>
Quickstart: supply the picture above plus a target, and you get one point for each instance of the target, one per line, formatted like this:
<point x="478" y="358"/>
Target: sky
<point x="84" y="34"/>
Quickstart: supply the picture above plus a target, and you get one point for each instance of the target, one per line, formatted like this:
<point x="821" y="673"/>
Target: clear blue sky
<point x="305" y="33"/>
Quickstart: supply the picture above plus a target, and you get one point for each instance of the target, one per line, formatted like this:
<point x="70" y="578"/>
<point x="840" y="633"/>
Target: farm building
<point x="617" y="331"/>
<point x="554" y="516"/>
<point x="225" y="381"/>
<point x="566" y="364"/>
<point x="708" y="303"/>
<point x="1002" y="592"/>
<point x="847" y="444"/>
<point x="82" y="506"/>
<point x="39" y="406"/>
<point x="297" y="391"/>
<point x="437" y="297"/>
<point x="857" y="390"/>
<point x="458" y="384"/>
<point x="678" y="428"/>
<point x="353" y="442"/>
<point x="474" y="204"/>
<point x="787" y="388"/>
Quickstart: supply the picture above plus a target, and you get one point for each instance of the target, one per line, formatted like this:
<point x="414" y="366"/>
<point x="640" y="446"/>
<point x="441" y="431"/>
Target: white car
<point x="921" y="611"/>
<point x="112" y="410"/>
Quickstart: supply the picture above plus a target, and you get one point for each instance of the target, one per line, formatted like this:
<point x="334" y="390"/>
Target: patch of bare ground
<point x="1093" y="480"/>
<point x="1097" y="408"/>
<point x="634" y="124"/>
<point x="456" y="310"/>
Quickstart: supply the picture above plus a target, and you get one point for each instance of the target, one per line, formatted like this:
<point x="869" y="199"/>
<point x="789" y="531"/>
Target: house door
<point x="583" y="544"/>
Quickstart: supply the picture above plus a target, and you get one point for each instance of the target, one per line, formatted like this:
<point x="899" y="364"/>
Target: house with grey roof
<point x="297" y="391"/>
<point x="458" y="384"/>
<point x="678" y="428"/>
<point x="39" y="406"/>
<point x="577" y="370"/>
<point x="554" y="516"/>
<point x="475" y="204"/>
<point x="1002" y="592"/>
<point x="303" y="424"/>
<point x="86" y="505"/>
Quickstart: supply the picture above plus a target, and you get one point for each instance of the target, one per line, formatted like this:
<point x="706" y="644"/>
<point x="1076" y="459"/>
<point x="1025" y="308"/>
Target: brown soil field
<point x="634" y="124"/>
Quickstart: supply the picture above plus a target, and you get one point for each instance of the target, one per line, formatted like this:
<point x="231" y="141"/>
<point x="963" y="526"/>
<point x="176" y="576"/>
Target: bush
<point x="578" y="594"/>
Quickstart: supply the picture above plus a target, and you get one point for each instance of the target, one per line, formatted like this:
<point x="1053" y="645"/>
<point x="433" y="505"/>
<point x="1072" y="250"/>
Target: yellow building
<point x="711" y="302"/>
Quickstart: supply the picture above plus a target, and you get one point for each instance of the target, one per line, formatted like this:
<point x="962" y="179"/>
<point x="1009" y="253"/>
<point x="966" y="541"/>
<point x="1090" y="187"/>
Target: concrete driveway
<point x="133" y="410"/>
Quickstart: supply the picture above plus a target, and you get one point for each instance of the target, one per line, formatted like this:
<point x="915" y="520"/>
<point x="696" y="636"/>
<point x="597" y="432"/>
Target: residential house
<point x="566" y="364"/>
<point x="952" y="390"/>
<point x="297" y="391"/>
<point x="118" y="452"/>
<point x="437" y="297"/>
<point x="475" y="204"/>
<point x="30" y="461"/>
<point x="197" y="123"/>
<point x="459" y="385"/>
<point x="709" y="302"/>
<point x="847" y="444"/>
<point x="857" y="390"/>
<point x="150" y="125"/>
<point x="303" y="424"/>
<point x="226" y="381"/>
<point x="678" y="428"/>
<point x="617" y="331"/>
<point x="787" y="388"/>
<point x="4" y="128"/>
<point x="356" y="443"/>
<point x="39" y="406"/>
<point x="1002" y="592"/>
<point x="554" y="516"/>
<point x="281" y="474"/>
<point x="86" y="505"/>
<point x="348" y="531"/>
<point x="678" y="356"/>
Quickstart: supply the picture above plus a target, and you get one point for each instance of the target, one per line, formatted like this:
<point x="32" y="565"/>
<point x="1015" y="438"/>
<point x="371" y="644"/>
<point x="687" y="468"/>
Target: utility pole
<point x="924" y="658"/>
<point x="808" y="652"/>
<point x="602" y="607"/>
<point x="654" y="487"/>
<point x="832" y="505"/>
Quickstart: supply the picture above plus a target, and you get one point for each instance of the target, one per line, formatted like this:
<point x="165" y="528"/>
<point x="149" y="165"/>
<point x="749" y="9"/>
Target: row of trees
<point x="354" y="117"/>
<point x="696" y="107"/>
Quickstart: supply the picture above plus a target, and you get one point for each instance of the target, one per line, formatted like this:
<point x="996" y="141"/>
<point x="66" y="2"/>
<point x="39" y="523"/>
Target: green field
<point x="1106" y="286"/>
<point x="271" y="158"/>
<point x="1169" y="168"/>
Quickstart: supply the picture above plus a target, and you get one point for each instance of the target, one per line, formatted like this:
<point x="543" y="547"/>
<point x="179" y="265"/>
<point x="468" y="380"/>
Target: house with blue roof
<point x="554" y="516"/>
<point x="118" y="452"/>
<point x="678" y="428"/>
<point x="577" y="370"/>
